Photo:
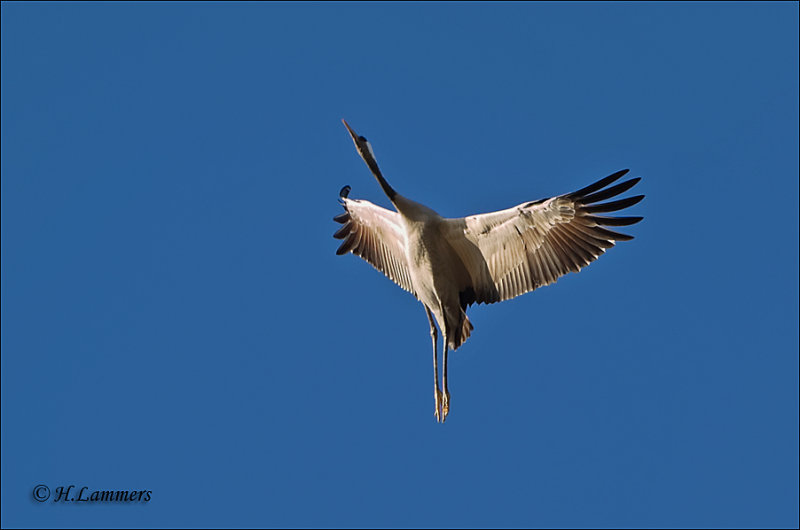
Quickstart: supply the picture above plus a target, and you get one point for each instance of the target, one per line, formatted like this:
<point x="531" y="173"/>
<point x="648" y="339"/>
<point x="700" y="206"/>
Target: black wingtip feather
<point x="600" y="184"/>
<point x="613" y="191"/>
<point x="615" y="221"/>
<point x="348" y="245"/>
<point x="614" y="236"/>
<point x="613" y="206"/>
<point x="343" y="232"/>
<point x="342" y="218"/>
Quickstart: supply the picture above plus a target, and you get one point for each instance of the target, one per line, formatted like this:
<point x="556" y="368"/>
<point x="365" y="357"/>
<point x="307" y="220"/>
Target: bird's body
<point x="437" y="273"/>
<point x="449" y="264"/>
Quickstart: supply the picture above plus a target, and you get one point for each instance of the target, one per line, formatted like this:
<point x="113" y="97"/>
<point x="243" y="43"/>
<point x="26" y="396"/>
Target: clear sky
<point x="174" y="318"/>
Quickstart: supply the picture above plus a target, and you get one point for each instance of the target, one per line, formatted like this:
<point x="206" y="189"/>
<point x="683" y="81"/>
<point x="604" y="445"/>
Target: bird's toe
<point x="445" y="405"/>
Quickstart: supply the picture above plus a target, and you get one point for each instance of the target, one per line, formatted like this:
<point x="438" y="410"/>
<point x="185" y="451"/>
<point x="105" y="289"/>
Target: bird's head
<point x="362" y="146"/>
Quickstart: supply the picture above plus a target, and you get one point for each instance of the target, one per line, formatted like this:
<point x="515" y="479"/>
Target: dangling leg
<point x="446" y="394"/>
<point x="437" y="394"/>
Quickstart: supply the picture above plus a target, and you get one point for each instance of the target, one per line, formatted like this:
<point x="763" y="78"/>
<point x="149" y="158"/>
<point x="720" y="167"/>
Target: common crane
<point x="449" y="264"/>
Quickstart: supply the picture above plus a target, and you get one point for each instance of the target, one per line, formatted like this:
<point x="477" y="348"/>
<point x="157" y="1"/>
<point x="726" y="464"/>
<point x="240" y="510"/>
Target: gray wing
<point x="514" y="251"/>
<point x="376" y="235"/>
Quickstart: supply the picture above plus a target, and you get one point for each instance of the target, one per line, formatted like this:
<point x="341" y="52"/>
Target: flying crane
<point x="449" y="264"/>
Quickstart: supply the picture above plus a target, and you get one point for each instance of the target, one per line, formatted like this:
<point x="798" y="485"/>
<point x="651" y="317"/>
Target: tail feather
<point x="460" y="337"/>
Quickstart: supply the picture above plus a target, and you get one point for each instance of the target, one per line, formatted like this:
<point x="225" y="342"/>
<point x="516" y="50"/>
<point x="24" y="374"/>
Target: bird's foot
<point x="437" y="398"/>
<point x="445" y="405"/>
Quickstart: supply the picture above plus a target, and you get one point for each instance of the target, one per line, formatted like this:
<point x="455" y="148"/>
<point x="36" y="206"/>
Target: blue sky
<point x="174" y="317"/>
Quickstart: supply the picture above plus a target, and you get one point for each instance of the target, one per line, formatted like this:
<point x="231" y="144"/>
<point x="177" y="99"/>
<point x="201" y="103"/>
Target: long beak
<point x="352" y="132"/>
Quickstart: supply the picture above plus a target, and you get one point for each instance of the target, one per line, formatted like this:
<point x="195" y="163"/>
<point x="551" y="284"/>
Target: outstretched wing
<point x="514" y="251"/>
<point x="376" y="235"/>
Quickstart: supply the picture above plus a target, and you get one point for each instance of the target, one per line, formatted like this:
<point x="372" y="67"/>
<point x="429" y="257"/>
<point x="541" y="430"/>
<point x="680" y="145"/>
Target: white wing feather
<point x="376" y="235"/>
<point x="514" y="251"/>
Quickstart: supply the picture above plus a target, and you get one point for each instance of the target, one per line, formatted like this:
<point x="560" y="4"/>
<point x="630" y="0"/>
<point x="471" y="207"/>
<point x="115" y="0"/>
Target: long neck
<point x="406" y="207"/>
<point x="373" y="166"/>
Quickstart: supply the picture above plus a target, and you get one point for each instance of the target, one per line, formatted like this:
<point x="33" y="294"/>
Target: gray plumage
<point x="449" y="264"/>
